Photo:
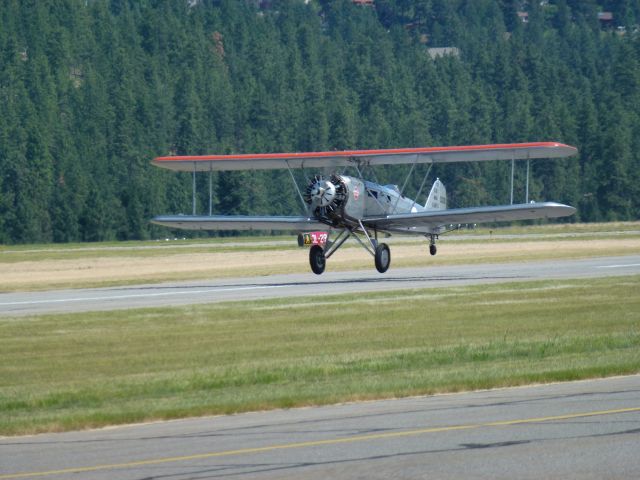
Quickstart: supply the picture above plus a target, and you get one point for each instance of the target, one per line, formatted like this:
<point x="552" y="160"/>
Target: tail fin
<point x="437" y="199"/>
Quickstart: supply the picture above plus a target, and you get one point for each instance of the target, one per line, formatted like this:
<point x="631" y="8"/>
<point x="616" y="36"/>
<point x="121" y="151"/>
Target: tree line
<point x="91" y="90"/>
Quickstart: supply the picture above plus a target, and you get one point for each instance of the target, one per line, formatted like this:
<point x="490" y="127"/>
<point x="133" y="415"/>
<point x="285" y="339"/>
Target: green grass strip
<point x="61" y="372"/>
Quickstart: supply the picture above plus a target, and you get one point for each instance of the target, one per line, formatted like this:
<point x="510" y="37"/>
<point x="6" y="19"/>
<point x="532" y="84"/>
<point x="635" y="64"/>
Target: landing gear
<point x="317" y="259"/>
<point x="379" y="251"/>
<point x="432" y="245"/>
<point x="382" y="257"/>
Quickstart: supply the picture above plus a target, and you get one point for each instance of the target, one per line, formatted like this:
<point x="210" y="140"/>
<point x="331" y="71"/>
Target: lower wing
<point x="420" y="222"/>
<point x="238" y="222"/>
<point x="431" y="221"/>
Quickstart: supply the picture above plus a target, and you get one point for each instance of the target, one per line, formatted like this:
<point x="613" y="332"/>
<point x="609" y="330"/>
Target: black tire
<point x="317" y="260"/>
<point x="383" y="257"/>
<point x="433" y="249"/>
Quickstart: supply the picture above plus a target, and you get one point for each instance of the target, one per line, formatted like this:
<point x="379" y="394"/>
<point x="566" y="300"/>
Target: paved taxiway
<point x="274" y="286"/>
<point x="587" y="429"/>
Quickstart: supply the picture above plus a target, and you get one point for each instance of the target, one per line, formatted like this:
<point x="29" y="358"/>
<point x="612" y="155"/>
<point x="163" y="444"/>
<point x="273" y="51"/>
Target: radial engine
<point x="337" y="200"/>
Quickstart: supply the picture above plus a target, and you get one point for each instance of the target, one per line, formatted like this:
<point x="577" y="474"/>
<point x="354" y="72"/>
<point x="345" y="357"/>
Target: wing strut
<point x="526" y="195"/>
<point x="194" y="188"/>
<point x="295" y="184"/>
<point x="413" y="165"/>
<point x="513" y="164"/>
<point x="424" y="180"/>
<point x="210" y="189"/>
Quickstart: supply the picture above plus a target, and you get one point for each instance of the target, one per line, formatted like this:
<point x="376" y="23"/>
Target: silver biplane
<point x="349" y="206"/>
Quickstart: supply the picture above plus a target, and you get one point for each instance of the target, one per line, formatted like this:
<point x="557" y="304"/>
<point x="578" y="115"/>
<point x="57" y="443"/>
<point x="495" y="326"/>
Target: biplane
<point x="344" y="206"/>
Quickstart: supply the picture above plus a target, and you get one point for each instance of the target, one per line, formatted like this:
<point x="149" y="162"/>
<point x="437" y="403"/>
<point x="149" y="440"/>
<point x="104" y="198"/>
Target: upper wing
<point x="467" y="153"/>
<point x="238" y="222"/>
<point x="429" y="221"/>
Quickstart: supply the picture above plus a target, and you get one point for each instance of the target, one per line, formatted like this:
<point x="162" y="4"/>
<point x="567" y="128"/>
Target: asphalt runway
<point x="587" y="430"/>
<point x="306" y="284"/>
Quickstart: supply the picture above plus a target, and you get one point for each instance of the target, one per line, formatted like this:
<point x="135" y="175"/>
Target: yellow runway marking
<point x="315" y="443"/>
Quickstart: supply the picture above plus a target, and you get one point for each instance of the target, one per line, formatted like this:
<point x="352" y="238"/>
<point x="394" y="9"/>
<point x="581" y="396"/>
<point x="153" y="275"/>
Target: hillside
<point x="91" y="90"/>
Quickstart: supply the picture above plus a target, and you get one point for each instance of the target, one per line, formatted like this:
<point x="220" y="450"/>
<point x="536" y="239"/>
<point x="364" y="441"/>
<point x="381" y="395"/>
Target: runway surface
<point x="587" y="429"/>
<point x="305" y="284"/>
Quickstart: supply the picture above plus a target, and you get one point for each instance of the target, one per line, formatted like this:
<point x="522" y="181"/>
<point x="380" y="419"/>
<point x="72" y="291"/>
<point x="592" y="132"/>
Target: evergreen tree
<point x="91" y="91"/>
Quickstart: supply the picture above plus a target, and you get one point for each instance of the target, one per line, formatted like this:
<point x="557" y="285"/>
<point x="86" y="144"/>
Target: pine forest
<point x="92" y="90"/>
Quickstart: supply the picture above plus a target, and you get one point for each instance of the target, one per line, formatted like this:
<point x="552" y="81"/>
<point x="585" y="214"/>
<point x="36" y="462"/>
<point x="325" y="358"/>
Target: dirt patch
<point x="113" y="268"/>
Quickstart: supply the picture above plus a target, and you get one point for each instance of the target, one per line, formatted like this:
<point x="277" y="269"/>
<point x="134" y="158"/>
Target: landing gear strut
<point x="379" y="251"/>
<point x="432" y="245"/>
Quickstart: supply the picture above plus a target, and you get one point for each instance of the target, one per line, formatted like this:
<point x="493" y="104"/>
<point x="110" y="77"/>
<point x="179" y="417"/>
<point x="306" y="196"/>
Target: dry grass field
<point x="51" y="267"/>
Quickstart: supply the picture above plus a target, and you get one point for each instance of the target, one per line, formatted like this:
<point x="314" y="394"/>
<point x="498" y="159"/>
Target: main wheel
<point x="317" y="260"/>
<point x="433" y="249"/>
<point x="383" y="257"/>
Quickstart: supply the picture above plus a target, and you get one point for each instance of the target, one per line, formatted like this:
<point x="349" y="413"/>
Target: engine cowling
<point x="327" y="197"/>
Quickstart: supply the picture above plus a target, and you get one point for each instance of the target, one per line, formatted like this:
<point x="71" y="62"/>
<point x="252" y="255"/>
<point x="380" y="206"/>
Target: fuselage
<point x="345" y="201"/>
<point x="387" y="200"/>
